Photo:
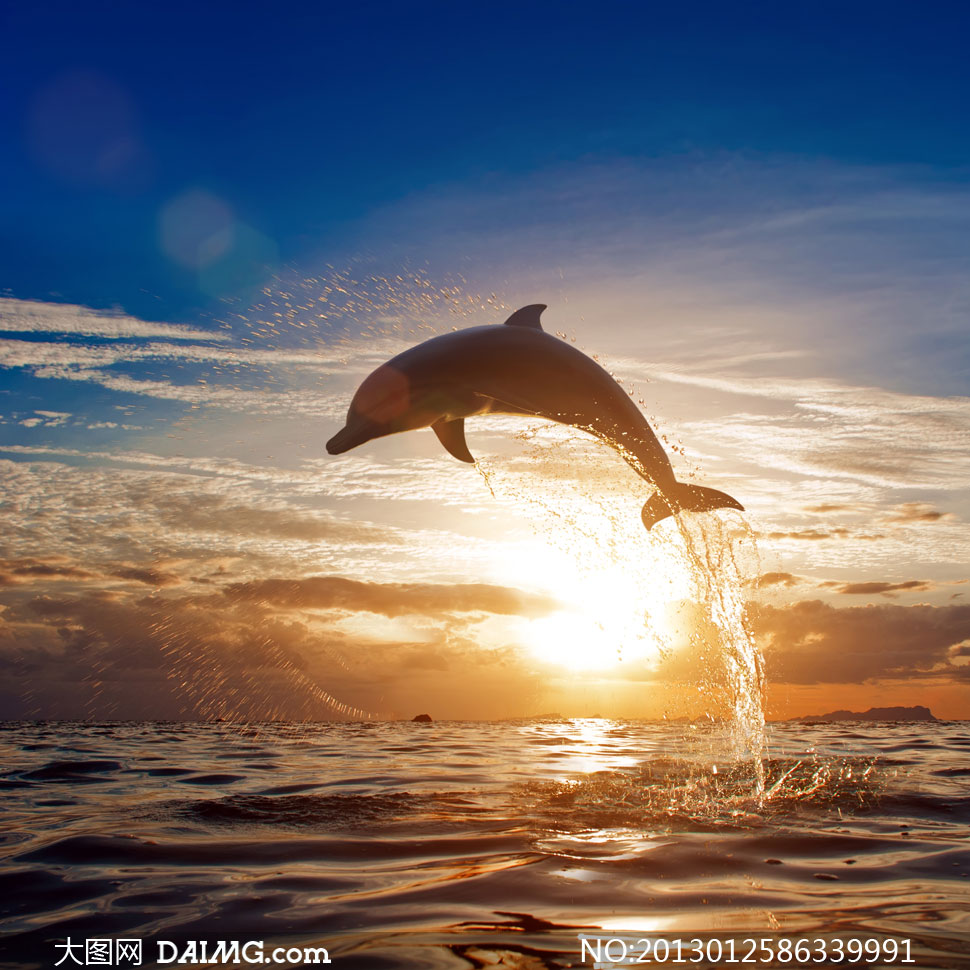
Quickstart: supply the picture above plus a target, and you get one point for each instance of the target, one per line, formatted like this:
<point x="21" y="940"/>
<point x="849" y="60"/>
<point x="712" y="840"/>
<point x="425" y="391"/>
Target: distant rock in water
<point x="874" y="714"/>
<point x="422" y="718"/>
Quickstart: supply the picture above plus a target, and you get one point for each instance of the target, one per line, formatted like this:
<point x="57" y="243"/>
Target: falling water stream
<point x="598" y="527"/>
<point x="712" y="552"/>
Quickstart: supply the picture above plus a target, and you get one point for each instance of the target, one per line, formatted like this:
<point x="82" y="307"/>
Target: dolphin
<point x="516" y="368"/>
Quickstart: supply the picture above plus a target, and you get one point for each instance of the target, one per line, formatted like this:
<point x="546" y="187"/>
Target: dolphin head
<point x="382" y="405"/>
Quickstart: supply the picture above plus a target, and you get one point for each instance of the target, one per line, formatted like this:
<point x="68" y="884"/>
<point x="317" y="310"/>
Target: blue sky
<point x="307" y="118"/>
<point x="218" y="218"/>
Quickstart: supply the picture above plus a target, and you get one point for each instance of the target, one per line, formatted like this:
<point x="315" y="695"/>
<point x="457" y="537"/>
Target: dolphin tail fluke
<point x="685" y="498"/>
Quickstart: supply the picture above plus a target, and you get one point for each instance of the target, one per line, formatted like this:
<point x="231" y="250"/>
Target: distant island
<point x="873" y="714"/>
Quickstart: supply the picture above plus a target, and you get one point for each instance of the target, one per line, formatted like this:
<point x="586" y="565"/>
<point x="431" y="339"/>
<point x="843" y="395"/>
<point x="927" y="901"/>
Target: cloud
<point x="910" y="513"/>
<point x="391" y="599"/>
<point x="250" y="366"/>
<point x="123" y="513"/>
<point x="194" y="510"/>
<point x="46" y="419"/>
<point x="812" y="642"/>
<point x="820" y="535"/>
<point x="266" y="520"/>
<point x="32" y="316"/>
<point x="16" y="571"/>
<point x="238" y="377"/>
<point x="869" y="589"/>
<point x="854" y="450"/>
<point x="777" y="579"/>
<point x="810" y="535"/>
<point x="147" y="575"/>
<point x="826" y="508"/>
<point x="29" y="571"/>
<point x="154" y="657"/>
<point x="274" y="648"/>
<point x="877" y="437"/>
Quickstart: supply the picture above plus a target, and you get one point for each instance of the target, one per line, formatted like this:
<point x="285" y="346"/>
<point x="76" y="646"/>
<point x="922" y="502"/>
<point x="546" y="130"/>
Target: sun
<point x="575" y="640"/>
<point x="615" y="590"/>
<point x="616" y="582"/>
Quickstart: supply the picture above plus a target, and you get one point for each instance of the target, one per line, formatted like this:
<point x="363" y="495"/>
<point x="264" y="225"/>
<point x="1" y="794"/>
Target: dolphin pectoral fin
<point x="451" y="433"/>
<point x="528" y="316"/>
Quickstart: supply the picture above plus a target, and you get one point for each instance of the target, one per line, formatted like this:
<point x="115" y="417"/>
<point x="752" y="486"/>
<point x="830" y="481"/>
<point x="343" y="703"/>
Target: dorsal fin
<point x="451" y="433"/>
<point x="528" y="316"/>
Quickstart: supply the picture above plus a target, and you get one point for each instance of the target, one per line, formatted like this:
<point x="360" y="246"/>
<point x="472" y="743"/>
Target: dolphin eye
<point x="384" y="395"/>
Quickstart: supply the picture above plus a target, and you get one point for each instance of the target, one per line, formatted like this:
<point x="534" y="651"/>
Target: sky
<point x="218" y="219"/>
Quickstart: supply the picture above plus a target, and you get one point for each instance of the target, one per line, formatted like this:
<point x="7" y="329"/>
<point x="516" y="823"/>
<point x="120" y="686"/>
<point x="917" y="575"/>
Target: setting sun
<point x="615" y="582"/>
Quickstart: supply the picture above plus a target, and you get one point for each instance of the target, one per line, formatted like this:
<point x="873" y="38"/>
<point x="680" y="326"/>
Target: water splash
<point x="582" y="510"/>
<point x="668" y="793"/>
<point x="713" y="546"/>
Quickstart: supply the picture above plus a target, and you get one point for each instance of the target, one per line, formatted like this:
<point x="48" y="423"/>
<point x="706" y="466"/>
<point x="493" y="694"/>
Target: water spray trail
<point x="700" y="561"/>
<point x="712" y="554"/>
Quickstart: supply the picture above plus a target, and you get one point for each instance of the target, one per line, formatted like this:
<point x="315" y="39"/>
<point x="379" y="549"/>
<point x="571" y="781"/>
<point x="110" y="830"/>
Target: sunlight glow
<point x="616" y="581"/>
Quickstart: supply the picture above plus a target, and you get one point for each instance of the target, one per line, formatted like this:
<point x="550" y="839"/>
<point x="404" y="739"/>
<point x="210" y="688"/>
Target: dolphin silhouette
<point x="516" y="368"/>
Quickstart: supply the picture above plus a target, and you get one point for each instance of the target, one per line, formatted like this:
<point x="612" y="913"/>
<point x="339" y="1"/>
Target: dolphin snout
<point x="342" y="441"/>
<point x="351" y="436"/>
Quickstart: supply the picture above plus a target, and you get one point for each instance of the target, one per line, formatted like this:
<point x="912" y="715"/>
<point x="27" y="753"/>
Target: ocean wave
<point x="481" y="843"/>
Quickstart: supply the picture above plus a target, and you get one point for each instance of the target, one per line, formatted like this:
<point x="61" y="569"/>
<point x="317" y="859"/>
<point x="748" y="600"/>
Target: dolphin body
<point x="516" y="368"/>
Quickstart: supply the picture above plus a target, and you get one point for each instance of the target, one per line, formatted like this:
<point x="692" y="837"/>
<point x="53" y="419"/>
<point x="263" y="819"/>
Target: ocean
<point x="530" y="844"/>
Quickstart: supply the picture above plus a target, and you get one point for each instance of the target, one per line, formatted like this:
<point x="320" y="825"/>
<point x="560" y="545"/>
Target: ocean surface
<point x="457" y="844"/>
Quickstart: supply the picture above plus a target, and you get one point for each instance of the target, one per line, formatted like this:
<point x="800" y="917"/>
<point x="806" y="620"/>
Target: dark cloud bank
<point x="272" y="648"/>
<point x="814" y="643"/>
<point x="281" y="647"/>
